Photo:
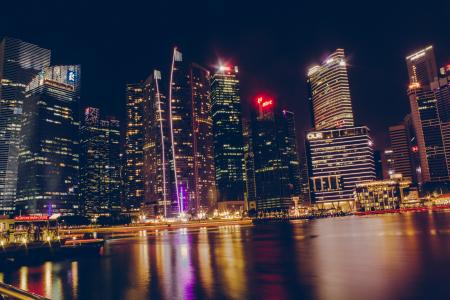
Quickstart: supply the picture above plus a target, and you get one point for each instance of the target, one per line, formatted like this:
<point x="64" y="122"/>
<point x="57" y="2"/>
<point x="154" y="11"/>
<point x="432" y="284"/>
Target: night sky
<point x="272" y="42"/>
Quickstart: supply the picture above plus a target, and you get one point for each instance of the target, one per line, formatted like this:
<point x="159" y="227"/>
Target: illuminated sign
<point x="415" y="148"/>
<point x="314" y="135"/>
<point x="31" y="218"/>
<point x="71" y="76"/>
<point x="264" y="102"/>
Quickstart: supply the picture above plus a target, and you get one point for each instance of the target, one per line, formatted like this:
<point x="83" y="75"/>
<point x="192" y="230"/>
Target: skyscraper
<point x="228" y="140"/>
<point x="423" y="92"/>
<point x="339" y="154"/>
<point x="192" y="161"/>
<point x="275" y="156"/>
<point x="19" y="63"/>
<point x="330" y="99"/>
<point x="100" y="178"/>
<point x="49" y="143"/>
<point x="401" y="148"/>
<point x="158" y="199"/>
<point x="204" y="171"/>
<point x="134" y="145"/>
<point x="338" y="159"/>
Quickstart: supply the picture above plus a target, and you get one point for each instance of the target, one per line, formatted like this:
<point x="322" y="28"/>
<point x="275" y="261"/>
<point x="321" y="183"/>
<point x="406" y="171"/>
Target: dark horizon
<point x="272" y="45"/>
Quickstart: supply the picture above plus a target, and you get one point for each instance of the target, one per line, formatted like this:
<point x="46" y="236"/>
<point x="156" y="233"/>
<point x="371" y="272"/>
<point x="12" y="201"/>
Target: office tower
<point x="134" y="145"/>
<point x="228" y="140"/>
<point x="49" y="143"/>
<point x="275" y="158"/>
<point x="157" y="149"/>
<point x="421" y="65"/>
<point x="249" y="166"/>
<point x="100" y="178"/>
<point x="192" y="164"/>
<point x="401" y="148"/>
<point x="338" y="160"/>
<point x="330" y="99"/>
<point x="19" y="63"/>
<point x="423" y="93"/>
<point x="388" y="163"/>
<point x="378" y="164"/>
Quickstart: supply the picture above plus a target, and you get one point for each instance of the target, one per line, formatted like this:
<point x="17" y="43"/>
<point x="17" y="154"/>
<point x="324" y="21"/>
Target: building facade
<point x="49" y="143"/>
<point x="338" y="160"/>
<point x="100" y="163"/>
<point x="424" y="90"/>
<point x="401" y="152"/>
<point x="192" y="182"/>
<point x="276" y="162"/>
<point x="382" y="194"/>
<point x="134" y="145"/>
<point x="228" y="136"/>
<point x="330" y="100"/>
<point x="157" y="155"/>
<point x="19" y="63"/>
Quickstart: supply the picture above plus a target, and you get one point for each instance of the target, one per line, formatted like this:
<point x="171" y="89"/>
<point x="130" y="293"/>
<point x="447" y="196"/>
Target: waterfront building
<point x="383" y="194"/>
<point x="424" y="90"/>
<point x="19" y="63"/>
<point x="192" y="161"/>
<point x="49" y="143"/>
<point x="330" y="99"/>
<point x="134" y="145"/>
<point x="158" y="200"/>
<point x="228" y="137"/>
<point x="275" y="156"/>
<point x="100" y="177"/>
<point x="338" y="160"/>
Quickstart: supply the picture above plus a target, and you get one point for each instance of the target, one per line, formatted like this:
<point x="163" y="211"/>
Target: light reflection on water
<point x="379" y="257"/>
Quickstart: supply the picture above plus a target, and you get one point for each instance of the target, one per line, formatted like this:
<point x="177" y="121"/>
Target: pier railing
<point x="10" y="292"/>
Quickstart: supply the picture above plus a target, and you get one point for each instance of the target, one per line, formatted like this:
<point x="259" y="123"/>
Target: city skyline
<point x="375" y="59"/>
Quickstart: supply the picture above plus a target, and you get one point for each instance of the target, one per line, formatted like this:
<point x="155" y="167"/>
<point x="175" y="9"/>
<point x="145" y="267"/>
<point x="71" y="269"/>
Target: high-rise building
<point x="193" y="181"/>
<point x="330" y="100"/>
<point x="228" y="140"/>
<point x="49" y="143"/>
<point x="387" y="160"/>
<point x="19" y="63"/>
<point x="277" y="173"/>
<point x="100" y="178"/>
<point x="134" y="145"/>
<point x="400" y="145"/>
<point x="338" y="160"/>
<point x="249" y="166"/>
<point x="157" y="155"/>
<point x="424" y="90"/>
<point x="377" y="158"/>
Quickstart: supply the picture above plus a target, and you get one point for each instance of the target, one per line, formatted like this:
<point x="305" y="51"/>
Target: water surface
<point x="403" y="256"/>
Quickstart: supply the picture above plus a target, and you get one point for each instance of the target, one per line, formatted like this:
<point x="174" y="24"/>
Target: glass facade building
<point x="192" y="163"/>
<point x="425" y="94"/>
<point x="158" y="200"/>
<point x="276" y="165"/>
<point x="329" y="88"/>
<point x="100" y="178"/>
<point x="338" y="160"/>
<point x="19" y="63"/>
<point x="134" y="145"/>
<point x="49" y="143"/>
<point x="228" y="136"/>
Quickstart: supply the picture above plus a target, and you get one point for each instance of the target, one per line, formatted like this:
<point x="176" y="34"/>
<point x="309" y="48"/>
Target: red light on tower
<point x="264" y="102"/>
